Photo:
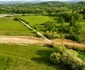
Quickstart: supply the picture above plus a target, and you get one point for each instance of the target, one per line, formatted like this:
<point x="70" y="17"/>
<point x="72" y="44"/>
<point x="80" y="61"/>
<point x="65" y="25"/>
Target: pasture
<point x="10" y="27"/>
<point x="33" y="20"/>
<point x="37" y="21"/>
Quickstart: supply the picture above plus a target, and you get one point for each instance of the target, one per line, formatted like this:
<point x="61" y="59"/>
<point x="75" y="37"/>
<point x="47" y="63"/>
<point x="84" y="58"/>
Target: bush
<point x="16" y="19"/>
<point x="74" y="38"/>
<point x="50" y="34"/>
<point x="67" y="57"/>
<point x="55" y="57"/>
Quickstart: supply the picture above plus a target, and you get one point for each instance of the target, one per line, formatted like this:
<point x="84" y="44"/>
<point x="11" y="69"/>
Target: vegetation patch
<point x="67" y="57"/>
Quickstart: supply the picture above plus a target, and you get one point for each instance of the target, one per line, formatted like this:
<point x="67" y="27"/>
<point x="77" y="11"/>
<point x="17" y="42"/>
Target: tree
<point x="78" y="17"/>
<point x="61" y="20"/>
<point x="72" y="21"/>
<point x="71" y="30"/>
<point x="75" y="32"/>
<point x="50" y="26"/>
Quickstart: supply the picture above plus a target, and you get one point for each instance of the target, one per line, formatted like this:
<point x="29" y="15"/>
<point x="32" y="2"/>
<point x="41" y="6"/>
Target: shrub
<point x="55" y="57"/>
<point x="62" y="36"/>
<point x="67" y="57"/>
<point x="59" y="49"/>
<point x="16" y="19"/>
<point x="74" y="38"/>
<point x="50" y="34"/>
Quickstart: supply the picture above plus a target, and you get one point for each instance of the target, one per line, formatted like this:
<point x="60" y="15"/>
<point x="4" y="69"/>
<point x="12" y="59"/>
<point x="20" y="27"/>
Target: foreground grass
<point x="11" y="27"/>
<point x="26" y="57"/>
<point x="22" y="57"/>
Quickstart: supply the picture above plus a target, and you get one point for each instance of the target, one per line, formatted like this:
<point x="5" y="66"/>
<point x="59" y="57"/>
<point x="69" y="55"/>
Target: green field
<point x="28" y="57"/>
<point x="10" y="27"/>
<point x="25" y="57"/>
<point x="37" y="21"/>
<point x="33" y="20"/>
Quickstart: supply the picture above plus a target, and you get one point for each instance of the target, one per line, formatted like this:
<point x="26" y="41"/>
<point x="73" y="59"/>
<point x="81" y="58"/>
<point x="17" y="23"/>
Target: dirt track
<point x="35" y="40"/>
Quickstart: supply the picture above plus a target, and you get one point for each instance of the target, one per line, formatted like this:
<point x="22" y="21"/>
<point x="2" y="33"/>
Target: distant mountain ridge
<point x="41" y="2"/>
<point x="12" y="2"/>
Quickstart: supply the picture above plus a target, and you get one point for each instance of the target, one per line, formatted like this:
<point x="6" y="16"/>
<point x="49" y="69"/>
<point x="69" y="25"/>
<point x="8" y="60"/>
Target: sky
<point x="42" y="0"/>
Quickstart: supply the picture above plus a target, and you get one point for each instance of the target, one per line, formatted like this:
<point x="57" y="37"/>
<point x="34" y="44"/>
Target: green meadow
<point x="10" y="27"/>
<point x="33" y="20"/>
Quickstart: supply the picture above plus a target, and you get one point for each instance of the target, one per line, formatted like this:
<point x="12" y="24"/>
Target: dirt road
<point x="36" y="40"/>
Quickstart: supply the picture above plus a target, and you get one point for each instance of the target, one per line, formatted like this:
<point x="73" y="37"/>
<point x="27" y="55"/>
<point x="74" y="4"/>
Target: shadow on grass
<point x="45" y="59"/>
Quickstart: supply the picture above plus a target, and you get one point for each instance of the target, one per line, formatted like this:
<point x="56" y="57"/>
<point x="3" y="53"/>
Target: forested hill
<point x="12" y="2"/>
<point x="50" y="7"/>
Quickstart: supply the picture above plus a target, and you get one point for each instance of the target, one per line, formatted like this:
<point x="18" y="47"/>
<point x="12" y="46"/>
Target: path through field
<point x="38" y="33"/>
<point x="35" y="40"/>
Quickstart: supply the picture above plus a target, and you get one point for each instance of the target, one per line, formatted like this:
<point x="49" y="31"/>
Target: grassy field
<point x="11" y="27"/>
<point x="36" y="21"/>
<point x="28" y="57"/>
<point x="33" y="20"/>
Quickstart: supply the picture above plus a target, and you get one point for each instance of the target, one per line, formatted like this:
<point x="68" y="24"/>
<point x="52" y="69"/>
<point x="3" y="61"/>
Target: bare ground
<point x="36" y="40"/>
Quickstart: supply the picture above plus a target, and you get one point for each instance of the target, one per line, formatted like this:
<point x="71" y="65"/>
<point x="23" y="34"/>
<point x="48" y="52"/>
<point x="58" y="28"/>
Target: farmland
<point x="33" y="20"/>
<point x="10" y="27"/>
